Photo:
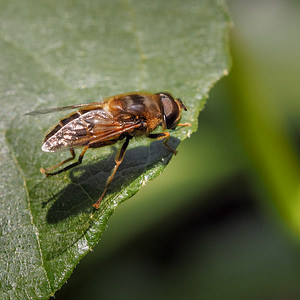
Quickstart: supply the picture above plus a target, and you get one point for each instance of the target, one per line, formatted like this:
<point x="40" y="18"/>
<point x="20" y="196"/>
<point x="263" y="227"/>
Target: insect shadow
<point x="88" y="181"/>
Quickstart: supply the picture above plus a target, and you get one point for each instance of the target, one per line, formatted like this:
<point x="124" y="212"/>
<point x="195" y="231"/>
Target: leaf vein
<point x="142" y="55"/>
<point x="45" y="67"/>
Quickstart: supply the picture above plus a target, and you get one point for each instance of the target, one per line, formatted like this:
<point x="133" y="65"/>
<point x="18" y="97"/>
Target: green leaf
<point x="70" y="52"/>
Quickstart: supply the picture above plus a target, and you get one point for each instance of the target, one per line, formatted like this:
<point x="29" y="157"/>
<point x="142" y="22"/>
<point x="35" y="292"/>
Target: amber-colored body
<point x="104" y="123"/>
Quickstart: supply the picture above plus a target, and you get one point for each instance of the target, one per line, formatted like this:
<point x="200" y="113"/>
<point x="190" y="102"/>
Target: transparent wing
<point x="93" y="127"/>
<point x="68" y="107"/>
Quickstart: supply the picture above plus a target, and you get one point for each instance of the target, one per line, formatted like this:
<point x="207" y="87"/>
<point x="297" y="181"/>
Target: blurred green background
<point x="232" y="231"/>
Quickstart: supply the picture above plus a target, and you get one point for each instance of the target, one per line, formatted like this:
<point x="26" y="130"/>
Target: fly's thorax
<point x="144" y="108"/>
<point x="135" y="105"/>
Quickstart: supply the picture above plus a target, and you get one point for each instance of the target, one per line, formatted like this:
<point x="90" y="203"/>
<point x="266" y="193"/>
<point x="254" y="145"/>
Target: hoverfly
<point x="99" y="124"/>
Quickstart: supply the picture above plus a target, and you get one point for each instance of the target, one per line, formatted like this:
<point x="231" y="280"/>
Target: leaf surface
<point x="71" y="52"/>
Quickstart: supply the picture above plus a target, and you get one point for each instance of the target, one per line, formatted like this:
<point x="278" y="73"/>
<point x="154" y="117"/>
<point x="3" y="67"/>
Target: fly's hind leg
<point x="47" y="170"/>
<point x="118" y="160"/>
<point x="163" y="135"/>
<point x="80" y="158"/>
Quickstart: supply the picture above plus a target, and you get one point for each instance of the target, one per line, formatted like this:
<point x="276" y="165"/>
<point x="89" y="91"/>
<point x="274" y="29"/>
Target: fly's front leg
<point x="118" y="160"/>
<point x="163" y="135"/>
<point x="80" y="158"/>
<point x="184" y="124"/>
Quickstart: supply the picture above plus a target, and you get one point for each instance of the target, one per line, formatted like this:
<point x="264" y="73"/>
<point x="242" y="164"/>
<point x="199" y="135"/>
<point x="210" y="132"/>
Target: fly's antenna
<point x="182" y="106"/>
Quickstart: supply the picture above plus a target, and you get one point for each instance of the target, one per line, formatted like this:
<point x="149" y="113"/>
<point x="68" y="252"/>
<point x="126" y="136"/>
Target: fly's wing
<point x="56" y="109"/>
<point x="92" y="127"/>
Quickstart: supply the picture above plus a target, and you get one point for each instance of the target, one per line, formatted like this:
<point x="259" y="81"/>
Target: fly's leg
<point x="184" y="124"/>
<point x="118" y="160"/>
<point x="163" y="135"/>
<point x="80" y="158"/>
<point x="45" y="171"/>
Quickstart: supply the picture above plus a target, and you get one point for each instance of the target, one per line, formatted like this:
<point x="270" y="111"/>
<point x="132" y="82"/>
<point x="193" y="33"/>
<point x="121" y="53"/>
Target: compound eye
<point x="171" y="110"/>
